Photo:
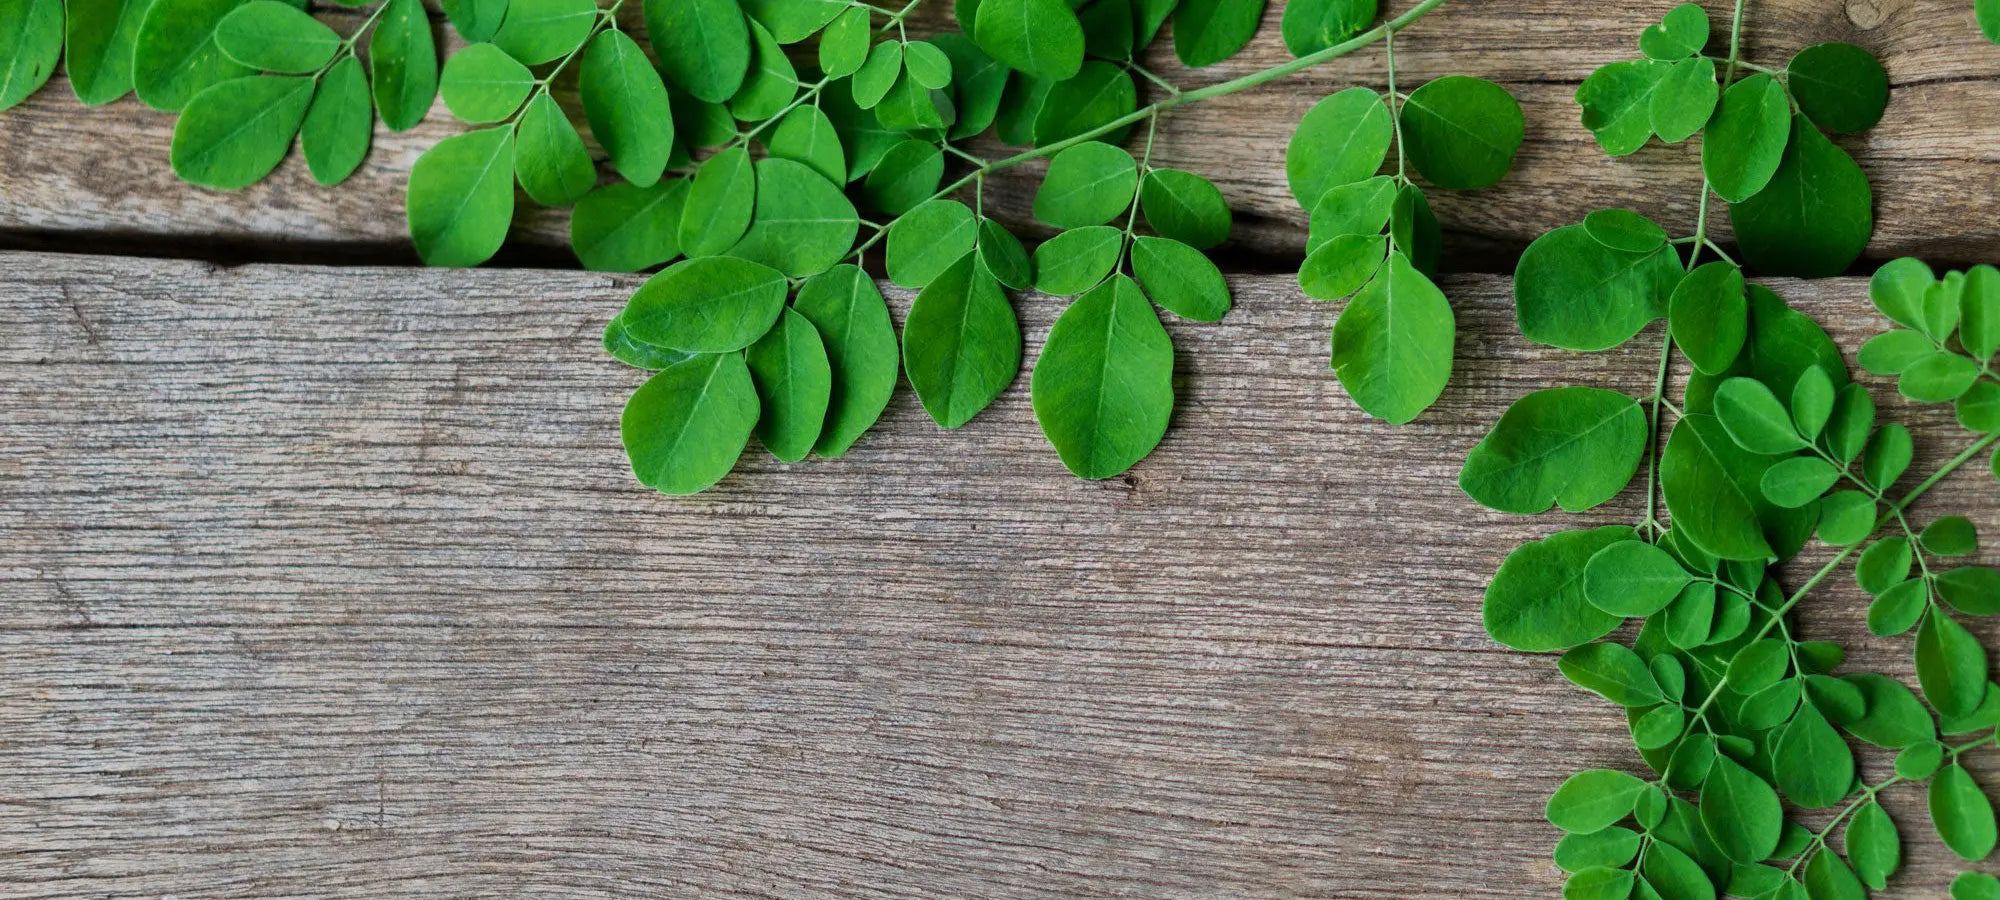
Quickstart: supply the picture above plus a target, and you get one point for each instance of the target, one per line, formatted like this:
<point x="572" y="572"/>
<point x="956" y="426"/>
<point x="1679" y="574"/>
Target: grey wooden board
<point x="101" y="175"/>
<point x="332" y="582"/>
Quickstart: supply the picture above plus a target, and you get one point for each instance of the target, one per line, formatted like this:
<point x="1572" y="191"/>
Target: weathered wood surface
<point x="102" y="174"/>
<point x="333" y="582"/>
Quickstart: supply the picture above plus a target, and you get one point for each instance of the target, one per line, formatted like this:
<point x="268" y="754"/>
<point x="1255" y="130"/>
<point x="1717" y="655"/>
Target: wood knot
<point x="1869" y="14"/>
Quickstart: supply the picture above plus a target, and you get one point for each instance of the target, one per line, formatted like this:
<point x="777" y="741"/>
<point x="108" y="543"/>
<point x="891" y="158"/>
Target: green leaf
<point x="1746" y="141"/>
<point x="1632" y="578"/>
<point x="1674" y="875"/>
<point x="1184" y="206"/>
<point x="1593" y="799"/>
<point x="1613" y="846"/>
<point x="1846" y="517"/>
<point x="961" y="344"/>
<point x="174" y="55"/>
<point x="1853" y="419"/>
<point x="1088" y="184"/>
<point x="1039" y="37"/>
<point x="792" y="21"/>
<point x="1658" y="727"/>
<point x="686" y="426"/>
<point x="540" y="31"/>
<point x="1978" y="409"/>
<point x="1887" y="456"/>
<point x="1814" y="766"/>
<point x="794" y="382"/>
<point x="1709" y="316"/>
<point x="803" y="224"/>
<point x="403" y="64"/>
<point x="1795" y="482"/>
<point x="1895" y="718"/>
<point x="1103" y="388"/>
<point x="31" y="39"/>
<point x="1611" y="671"/>
<point x="1392" y="345"/>
<point x="626" y="105"/>
<point x="1892" y="352"/>
<point x="1898" y="289"/>
<point x="1617" y="104"/>
<point x="703" y="45"/>
<point x="1974" y="590"/>
<point x="626" y="228"/>
<point x="1575" y="293"/>
<point x="1359" y="208"/>
<point x="1812" y="401"/>
<point x="979" y="83"/>
<point x="1950" y="536"/>
<point x="1684" y="100"/>
<point x="1004" y="257"/>
<point x="851" y="317"/>
<point x="1841" y="87"/>
<point x="1741" y="812"/>
<point x="913" y="107"/>
<point x="1342" y="139"/>
<point x="806" y="135"/>
<point x="1979" y="885"/>
<point x="1107" y="28"/>
<point x="1573" y="446"/>
<point x="1826" y="876"/>
<point x="461" y="197"/>
<point x="843" y="46"/>
<point x="1712" y="491"/>
<point x="772" y="83"/>
<point x="1599" y="883"/>
<point x="339" y="124"/>
<point x="1759" y="665"/>
<point x="1814" y="218"/>
<point x="1535" y="601"/>
<point x="1180" y="278"/>
<point x="549" y="157"/>
<point x="1207" y="32"/>
<point x="1951" y="665"/>
<point x="1898" y="608"/>
<point x="1343" y="265"/>
<point x="1099" y="94"/>
<point x="927" y="240"/>
<point x="1461" y="132"/>
<point x="1873" y="845"/>
<point x="1683" y="31"/>
<point x="1310" y="26"/>
<point x="97" y="42"/>
<point x="1755" y="419"/>
<point x="619" y="342"/>
<point x="234" y="133"/>
<point x="1979" y="312"/>
<point x="710" y="305"/>
<point x="878" y="73"/>
<point x="1962" y="814"/>
<point x="475" y="20"/>
<point x="907" y="175"/>
<point x="720" y="202"/>
<point x="482" y="84"/>
<point x="1623" y="229"/>
<point x="1076" y="260"/>
<point x="1938" y="377"/>
<point x="927" y="64"/>
<point x="276" y="37"/>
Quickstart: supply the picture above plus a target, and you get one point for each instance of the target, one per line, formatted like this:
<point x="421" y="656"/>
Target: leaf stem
<point x="1395" y="114"/>
<point x="1652" y="522"/>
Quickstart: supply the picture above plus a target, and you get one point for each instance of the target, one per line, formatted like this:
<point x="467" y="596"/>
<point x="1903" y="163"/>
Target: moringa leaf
<point x="1961" y="813"/>
<point x="714" y="304"/>
<point x="1712" y="488"/>
<point x="1746" y="141"/>
<point x="1816" y="215"/>
<point x="1741" y="812"/>
<point x="1682" y="32"/>
<point x="461" y="197"/>
<point x="792" y="21"/>
<point x="1180" y="278"/>
<point x="622" y="227"/>
<point x="843" y="46"/>
<point x="1840" y="87"/>
<point x="1755" y="419"/>
<point x="1684" y="99"/>
<point x="1611" y="671"/>
<point x="1342" y="139"/>
<point x="482" y="84"/>
<point x="877" y="74"/>
<point x="1041" y="38"/>
<point x="403" y="64"/>
<point x="853" y="321"/>
<point x="1593" y="799"/>
<point x="1184" y="206"/>
<point x="720" y="201"/>
<point x="1309" y="26"/>
<point x="1002" y="255"/>
<point x="234" y="133"/>
<point x="961" y="344"/>
<point x="1103" y="388"/>
<point x="475" y="20"/>
<point x="1623" y="229"/>
<point x="1709" y="316"/>
<point x="703" y="45"/>
<point x="1617" y="103"/>
<point x="626" y="104"/>
<point x="906" y="175"/>
<point x="1392" y="345"/>
<point x="1461" y="132"/>
<point x="807" y="135"/>
<point x="1573" y="292"/>
<point x="794" y="383"/>
<point x="926" y="241"/>
<point x="1813" y="764"/>
<point x="1951" y="665"/>
<point x="803" y="223"/>
<point x="549" y="157"/>
<point x="272" y="36"/>
<point x="631" y="351"/>
<point x="1573" y="446"/>
<point x="540" y="31"/>
<point x="1099" y="94"/>
<point x="1207" y="32"/>
<point x="1076" y="260"/>
<point x="686" y="426"/>
<point x="174" y="55"/>
<point x="339" y="124"/>
<point x="1342" y="265"/>
<point x="1535" y="601"/>
<point x="1633" y="578"/>
<point x="96" y="46"/>
<point x="772" y="82"/>
<point x="1088" y="184"/>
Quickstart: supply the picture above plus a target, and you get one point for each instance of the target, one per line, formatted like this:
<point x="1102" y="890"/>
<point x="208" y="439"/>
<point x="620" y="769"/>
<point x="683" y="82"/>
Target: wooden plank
<point x="1934" y="160"/>
<point x="324" y="581"/>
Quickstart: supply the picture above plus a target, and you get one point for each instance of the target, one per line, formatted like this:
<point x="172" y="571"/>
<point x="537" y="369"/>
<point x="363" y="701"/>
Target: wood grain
<point x="332" y="582"/>
<point x="102" y="175"/>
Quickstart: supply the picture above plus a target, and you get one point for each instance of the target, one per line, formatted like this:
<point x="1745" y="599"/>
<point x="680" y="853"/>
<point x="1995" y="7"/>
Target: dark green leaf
<point x="276" y="37"/>
<point x="1076" y="260"/>
<point x="1310" y="26"/>
<point x="96" y="44"/>
<point x="1342" y="139"/>
<point x="1709" y="316"/>
<point x="626" y="228"/>
<point x="772" y="82"/>
<point x="549" y="157"/>
<point x="1815" y="216"/>
<point x="792" y="21"/>
<point x="1951" y="665"/>
<point x="1039" y="37"/>
<point x="1088" y="184"/>
<point x="234" y="133"/>
<point x="685" y="427"/>
<point x="1841" y="87"/>
<point x="1741" y="812"/>
<point x="720" y="202"/>
<point x="703" y="45"/>
<point x="1617" y="104"/>
<point x="789" y="366"/>
<point x="961" y="344"/>
<point x="475" y="20"/>
<point x="339" y="124"/>
<point x="1874" y="845"/>
<point x="1973" y="590"/>
<point x="1754" y="417"/>
<point x="709" y="305"/>
<point x="481" y="83"/>
<point x="843" y="46"/>
<point x="803" y="224"/>
<point x="1535" y="601"/>
<point x="1747" y="140"/>
<point x="1001" y="253"/>
<point x="927" y="240"/>
<point x="907" y="175"/>
<point x="1798" y="481"/>
<point x="1184" y="206"/>
<point x="1814" y="766"/>
<point x="1209" y="31"/>
<point x="1712" y="488"/>
<point x="1342" y="265"/>
<point x="1633" y="578"/>
<point x="806" y="135"/>
<point x="1611" y="671"/>
<point x="1571" y="291"/>
<point x="1593" y="799"/>
<point x="1461" y="132"/>
<point x="851" y="317"/>
<point x="1962" y="814"/>
<point x="1684" y="100"/>
<point x="174" y="55"/>
<point x="403" y="64"/>
<point x="626" y="105"/>
<point x="1573" y="446"/>
<point x="539" y="31"/>
<point x="1180" y="278"/>
<point x="1623" y="229"/>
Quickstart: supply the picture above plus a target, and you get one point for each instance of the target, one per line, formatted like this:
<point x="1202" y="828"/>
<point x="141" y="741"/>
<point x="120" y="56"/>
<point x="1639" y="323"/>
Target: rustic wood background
<point x="332" y="581"/>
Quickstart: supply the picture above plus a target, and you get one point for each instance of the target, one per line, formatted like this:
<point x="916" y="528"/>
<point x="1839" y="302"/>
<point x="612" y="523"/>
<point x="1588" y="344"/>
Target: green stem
<point x="1395" y="114"/>
<point x="1220" y="89"/>
<point x="1867" y="794"/>
<point x="811" y="91"/>
<point x="1652" y="521"/>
